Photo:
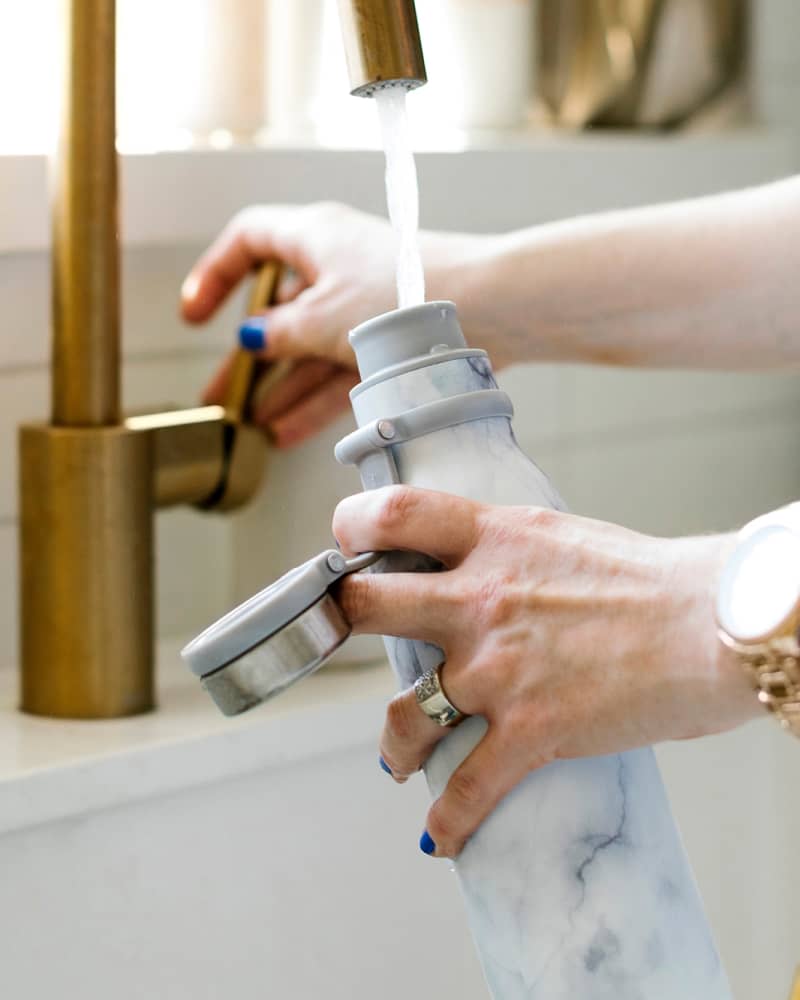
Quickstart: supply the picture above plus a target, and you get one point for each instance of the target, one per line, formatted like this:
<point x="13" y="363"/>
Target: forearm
<point x="707" y="283"/>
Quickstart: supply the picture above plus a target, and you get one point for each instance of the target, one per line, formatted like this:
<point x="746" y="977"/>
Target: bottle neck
<point x="407" y="386"/>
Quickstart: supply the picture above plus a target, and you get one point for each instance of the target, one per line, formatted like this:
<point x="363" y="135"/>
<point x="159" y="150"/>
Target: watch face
<point x="760" y="586"/>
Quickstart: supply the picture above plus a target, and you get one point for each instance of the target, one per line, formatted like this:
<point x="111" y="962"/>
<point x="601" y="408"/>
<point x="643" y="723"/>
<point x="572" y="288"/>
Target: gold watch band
<point x="774" y="670"/>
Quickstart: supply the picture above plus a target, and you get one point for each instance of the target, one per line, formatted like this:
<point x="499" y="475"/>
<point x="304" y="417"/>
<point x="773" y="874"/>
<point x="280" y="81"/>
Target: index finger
<point x="250" y="238"/>
<point x="414" y="520"/>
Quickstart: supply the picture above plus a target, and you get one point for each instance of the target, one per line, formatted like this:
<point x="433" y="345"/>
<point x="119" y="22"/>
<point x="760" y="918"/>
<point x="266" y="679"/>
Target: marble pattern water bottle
<point x="577" y="886"/>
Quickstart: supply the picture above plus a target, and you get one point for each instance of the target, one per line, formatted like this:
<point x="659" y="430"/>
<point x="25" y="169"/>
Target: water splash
<point x="402" y="194"/>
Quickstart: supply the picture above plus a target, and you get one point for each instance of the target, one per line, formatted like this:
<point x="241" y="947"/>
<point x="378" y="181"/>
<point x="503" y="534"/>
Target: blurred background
<point x="534" y="111"/>
<point x="224" y="72"/>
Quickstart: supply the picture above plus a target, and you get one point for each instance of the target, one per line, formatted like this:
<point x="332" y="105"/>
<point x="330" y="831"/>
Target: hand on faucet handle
<point x="341" y="265"/>
<point x="342" y="272"/>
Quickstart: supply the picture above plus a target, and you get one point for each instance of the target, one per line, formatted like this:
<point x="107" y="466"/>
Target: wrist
<point x="717" y="695"/>
<point x="515" y="292"/>
<point x="468" y="270"/>
<point x="731" y="690"/>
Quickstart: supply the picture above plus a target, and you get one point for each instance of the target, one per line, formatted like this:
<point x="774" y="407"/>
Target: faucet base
<point x="86" y="580"/>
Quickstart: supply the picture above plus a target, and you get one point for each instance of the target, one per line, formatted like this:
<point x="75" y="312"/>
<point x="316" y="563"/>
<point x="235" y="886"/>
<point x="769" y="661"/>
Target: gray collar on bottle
<point x="369" y="447"/>
<point x="435" y="356"/>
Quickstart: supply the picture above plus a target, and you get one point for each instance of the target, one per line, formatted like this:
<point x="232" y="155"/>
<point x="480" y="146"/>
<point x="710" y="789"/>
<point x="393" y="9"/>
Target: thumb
<point x="295" y="329"/>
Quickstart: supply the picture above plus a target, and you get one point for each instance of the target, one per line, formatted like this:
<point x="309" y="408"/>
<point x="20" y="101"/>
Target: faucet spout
<point x="382" y="45"/>
<point x="85" y="280"/>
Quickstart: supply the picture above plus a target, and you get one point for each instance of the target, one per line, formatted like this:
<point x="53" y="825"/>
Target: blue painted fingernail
<point x="253" y="333"/>
<point x="426" y="844"/>
<point x="384" y="765"/>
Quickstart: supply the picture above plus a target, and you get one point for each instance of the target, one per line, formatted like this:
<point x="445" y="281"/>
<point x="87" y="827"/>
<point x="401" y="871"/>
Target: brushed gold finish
<point x="187" y="453"/>
<point x="382" y="44"/>
<point x="264" y="290"/>
<point x="86" y="334"/>
<point x="244" y="457"/>
<point x="773" y="668"/>
<point x="86" y="572"/>
<point x="795" y="994"/>
<point x="245" y="370"/>
<point x="243" y="449"/>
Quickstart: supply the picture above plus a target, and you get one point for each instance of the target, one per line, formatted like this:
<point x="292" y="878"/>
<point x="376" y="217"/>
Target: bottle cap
<point x="277" y="636"/>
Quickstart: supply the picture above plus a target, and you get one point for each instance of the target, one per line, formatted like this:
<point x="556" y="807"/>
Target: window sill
<point x="176" y="198"/>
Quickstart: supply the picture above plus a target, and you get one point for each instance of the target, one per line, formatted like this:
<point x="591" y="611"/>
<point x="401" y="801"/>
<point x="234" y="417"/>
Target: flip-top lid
<point x="268" y="611"/>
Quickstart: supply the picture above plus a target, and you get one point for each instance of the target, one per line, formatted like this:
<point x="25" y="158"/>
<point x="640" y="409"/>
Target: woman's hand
<point x="572" y="638"/>
<point x="342" y="273"/>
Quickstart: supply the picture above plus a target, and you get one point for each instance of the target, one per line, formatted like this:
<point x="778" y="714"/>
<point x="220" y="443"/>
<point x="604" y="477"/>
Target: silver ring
<point x="434" y="702"/>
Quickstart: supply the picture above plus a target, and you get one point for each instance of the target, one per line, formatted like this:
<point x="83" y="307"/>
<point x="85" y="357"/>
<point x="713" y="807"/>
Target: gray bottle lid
<point x="270" y="610"/>
<point x="404" y="334"/>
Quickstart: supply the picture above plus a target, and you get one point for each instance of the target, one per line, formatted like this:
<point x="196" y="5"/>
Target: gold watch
<point x="758" y="610"/>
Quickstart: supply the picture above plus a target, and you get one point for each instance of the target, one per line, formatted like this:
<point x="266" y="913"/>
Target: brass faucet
<point x="382" y="45"/>
<point x="90" y="480"/>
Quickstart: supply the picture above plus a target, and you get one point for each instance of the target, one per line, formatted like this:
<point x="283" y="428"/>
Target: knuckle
<point x="328" y="210"/>
<point x="396" y="504"/>
<point x="543" y="519"/>
<point x="442" y="827"/>
<point x="395" y="765"/>
<point x="355" y="597"/>
<point x="342" y="520"/>
<point x="339" y="519"/>
<point x="466" y="789"/>
<point x="495" y="600"/>
<point x="474" y="679"/>
<point x="304" y="323"/>
<point x="245" y="219"/>
<point x="398" y="718"/>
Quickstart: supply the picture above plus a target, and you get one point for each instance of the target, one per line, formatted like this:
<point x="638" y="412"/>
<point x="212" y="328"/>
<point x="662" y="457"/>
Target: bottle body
<point x="577" y="884"/>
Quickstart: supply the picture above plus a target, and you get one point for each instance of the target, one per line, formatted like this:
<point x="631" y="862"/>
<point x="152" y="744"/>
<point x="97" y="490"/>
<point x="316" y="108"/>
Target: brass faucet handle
<point x="246" y="369"/>
<point x="243" y="445"/>
<point x="264" y="290"/>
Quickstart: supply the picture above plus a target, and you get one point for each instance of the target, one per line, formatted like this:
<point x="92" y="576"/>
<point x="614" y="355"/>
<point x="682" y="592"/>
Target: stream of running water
<point x="402" y="194"/>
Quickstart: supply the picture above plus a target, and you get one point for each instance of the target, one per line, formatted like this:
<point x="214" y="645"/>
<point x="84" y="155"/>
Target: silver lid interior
<point x="268" y="611"/>
<point x="282" y="659"/>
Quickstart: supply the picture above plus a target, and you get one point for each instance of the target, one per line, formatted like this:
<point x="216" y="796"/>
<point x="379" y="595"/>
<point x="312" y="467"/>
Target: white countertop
<point x="52" y="769"/>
